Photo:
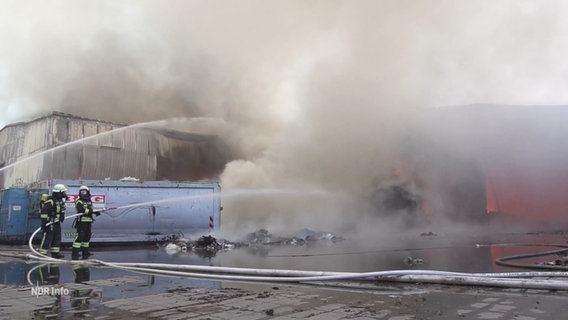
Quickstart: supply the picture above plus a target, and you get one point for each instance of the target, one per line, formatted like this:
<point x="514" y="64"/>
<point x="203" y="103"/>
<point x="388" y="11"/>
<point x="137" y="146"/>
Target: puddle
<point x="433" y="252"/>
<point x="87" y="288"/>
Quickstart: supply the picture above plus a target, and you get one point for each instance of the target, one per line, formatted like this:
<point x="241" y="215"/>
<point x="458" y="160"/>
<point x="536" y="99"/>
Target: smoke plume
<point x="316" y="97"/>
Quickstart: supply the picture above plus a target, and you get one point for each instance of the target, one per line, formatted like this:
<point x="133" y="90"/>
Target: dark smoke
<point x="317" y="96"/>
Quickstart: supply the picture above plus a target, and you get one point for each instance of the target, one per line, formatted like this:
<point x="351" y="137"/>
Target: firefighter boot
<point x="57" y="255"/>
<point x="86" y="253"/>
<point x="75" y="254"/>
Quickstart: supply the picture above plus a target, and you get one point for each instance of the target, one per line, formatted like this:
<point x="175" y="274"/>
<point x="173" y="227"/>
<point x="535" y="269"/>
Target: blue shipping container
<point x="13" y="214"/>
<point x="145" y="211"/>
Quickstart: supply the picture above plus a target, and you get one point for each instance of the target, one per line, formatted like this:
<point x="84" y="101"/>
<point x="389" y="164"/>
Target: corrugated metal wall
<point x="63" y="146"/>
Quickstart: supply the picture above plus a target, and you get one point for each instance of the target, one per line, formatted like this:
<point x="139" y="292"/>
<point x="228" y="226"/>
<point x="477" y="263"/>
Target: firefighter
<point x="53" y="213"/>
<point x="83" y="223"/>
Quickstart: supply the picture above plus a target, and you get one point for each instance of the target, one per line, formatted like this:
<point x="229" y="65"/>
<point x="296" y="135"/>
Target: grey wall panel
<point x="130" y="139"/>
<point x="73" y="161"/>
<point x="102" y="168"/>
<point x="111" y="139"/>
<point x="90" y="129"/>
<point x="60" y="130"/>
<point x="75" y="129"/>
<point x="57" y="164"/>
<point x="89" y="165"/>
<point x="35" y="136"/>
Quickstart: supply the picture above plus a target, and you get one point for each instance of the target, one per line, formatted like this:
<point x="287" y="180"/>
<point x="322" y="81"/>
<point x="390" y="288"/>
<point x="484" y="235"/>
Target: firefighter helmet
<point x="84" y="192"/>
<point x="59" y="188"/>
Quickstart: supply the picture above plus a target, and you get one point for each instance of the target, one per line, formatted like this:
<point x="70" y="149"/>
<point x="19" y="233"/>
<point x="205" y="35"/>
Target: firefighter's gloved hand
<point x="97" y="213"/>
<point x="62" y="217"/>
<point x="44" y="225"/>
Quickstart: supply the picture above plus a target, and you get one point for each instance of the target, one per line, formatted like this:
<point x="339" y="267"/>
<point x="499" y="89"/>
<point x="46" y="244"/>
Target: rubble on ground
<point x="411" y="261"/>
<point x="301" y="237"/>
<point x="208" y="245"/>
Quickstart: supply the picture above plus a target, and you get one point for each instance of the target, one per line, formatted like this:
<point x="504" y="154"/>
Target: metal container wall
<point x="13" y="214"/>
<point x="145" y="211"/>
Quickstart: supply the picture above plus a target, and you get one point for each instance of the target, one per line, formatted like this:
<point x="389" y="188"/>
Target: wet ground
<point x="109" y="293"/>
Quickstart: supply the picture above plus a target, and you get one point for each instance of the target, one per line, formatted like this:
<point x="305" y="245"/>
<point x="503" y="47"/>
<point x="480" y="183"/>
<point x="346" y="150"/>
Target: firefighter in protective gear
<point x="83" y="223"/>
<point x="52" y="215"/>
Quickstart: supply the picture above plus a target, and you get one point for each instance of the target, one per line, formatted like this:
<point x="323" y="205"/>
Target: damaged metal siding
<point x="25" y="144"/>
<point x="16" y="145"/>
<point x="117" y="154"/>
<point x="92" y="149"/>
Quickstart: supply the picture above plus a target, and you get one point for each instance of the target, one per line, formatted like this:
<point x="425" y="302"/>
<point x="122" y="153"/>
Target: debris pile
<point x="410" y="261"/>
<point x="299" y="238"/>
<point x="208" y="245"/>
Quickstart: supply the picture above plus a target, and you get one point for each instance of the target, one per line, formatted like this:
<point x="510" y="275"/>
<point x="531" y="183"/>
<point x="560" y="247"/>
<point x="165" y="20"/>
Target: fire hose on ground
<point x="524" y="280"/>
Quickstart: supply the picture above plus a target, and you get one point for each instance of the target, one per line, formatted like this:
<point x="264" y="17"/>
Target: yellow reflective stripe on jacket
<point x="86" y="219"/>
<point x="87" y="212"/>
<point x="57" y="210"/>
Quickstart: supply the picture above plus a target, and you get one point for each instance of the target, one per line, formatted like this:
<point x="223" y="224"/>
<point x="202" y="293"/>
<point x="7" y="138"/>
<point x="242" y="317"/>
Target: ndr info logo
<point x="49" y="291"/>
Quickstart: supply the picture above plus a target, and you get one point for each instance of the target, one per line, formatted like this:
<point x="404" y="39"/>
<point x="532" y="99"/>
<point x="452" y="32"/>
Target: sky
<point x="309" y="94"/>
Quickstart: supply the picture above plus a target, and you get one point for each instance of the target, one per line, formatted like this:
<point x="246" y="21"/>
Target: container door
<point x="16" y="219"/>
<point x="14" y="214"/>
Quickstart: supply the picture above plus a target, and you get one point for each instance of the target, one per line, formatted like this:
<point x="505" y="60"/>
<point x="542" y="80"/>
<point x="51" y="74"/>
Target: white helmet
<point x="84" y="188"/>
<point x="59" y="188"/>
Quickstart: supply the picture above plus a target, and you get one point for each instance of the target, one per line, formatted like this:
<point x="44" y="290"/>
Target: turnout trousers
<point x="51" y="240"/>
<point x="83" y="236"/>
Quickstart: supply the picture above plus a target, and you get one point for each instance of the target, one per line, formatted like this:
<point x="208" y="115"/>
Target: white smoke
<point x="313" y="96"/>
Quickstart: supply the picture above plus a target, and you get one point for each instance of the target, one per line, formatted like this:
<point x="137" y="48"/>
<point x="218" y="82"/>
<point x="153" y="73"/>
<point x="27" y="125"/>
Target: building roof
<point x="58" y="114"/>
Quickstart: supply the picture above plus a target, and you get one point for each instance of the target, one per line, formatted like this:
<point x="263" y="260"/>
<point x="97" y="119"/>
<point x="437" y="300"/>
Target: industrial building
<point x="134" y="169"/>
<point x="64" y="146"/>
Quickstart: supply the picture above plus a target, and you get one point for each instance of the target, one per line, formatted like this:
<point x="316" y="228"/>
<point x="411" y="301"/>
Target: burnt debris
<point x="208" y="246"/>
